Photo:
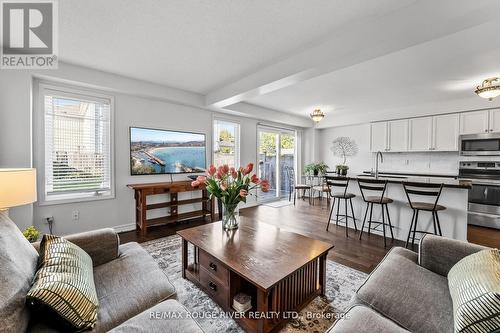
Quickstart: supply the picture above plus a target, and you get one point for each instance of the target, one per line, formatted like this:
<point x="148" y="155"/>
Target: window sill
<point x="75" y="199"/>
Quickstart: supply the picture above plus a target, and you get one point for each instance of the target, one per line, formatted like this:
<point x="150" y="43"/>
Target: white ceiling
<point x="198" y="45"/>
<point x="430" y="73"/>
<point x="358" y="60"/>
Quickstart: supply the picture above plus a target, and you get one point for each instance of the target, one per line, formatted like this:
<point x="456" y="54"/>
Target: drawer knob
<point x="213" y="266"/>
<point x="212" y="286"/>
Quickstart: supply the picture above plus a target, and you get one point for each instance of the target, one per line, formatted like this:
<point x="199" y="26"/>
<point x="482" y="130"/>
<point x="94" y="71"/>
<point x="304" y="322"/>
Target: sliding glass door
<point x="276" y="153"/>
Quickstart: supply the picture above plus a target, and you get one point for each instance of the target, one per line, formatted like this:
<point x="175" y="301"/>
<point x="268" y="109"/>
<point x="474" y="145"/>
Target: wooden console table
<point x="142" y="191"/>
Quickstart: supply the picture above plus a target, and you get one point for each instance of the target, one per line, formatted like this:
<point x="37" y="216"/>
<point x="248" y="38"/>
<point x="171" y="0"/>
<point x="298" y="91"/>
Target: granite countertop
<point x="448" y="182"/>
<point x="416" y="174"/>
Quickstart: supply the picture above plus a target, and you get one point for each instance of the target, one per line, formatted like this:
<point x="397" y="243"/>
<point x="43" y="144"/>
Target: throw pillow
<point x="64" y="285"/>
<point x="474" y="284"/>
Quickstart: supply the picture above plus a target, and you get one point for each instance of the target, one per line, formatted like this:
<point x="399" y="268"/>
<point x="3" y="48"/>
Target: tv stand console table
<point x="142" y="191"/>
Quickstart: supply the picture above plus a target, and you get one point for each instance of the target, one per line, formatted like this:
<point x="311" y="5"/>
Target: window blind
<point x="77" y="144"/>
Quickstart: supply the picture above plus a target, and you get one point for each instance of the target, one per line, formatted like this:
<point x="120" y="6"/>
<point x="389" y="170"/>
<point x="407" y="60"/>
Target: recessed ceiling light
<point x="317" y="115"/>
<point x="490" y="88"/>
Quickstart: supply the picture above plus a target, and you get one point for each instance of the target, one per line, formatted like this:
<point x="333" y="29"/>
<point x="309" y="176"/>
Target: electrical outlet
<point x="76" y="215"/>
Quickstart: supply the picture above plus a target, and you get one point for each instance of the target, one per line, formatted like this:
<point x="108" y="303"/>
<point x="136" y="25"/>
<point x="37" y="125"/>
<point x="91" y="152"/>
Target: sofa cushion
<point x="128" y="285"/>
<point x="159" y="319"/>
<point x="63" y="289"/>
<point x="361" y="319"/>
<point x="410" y="295"/>
<point x="18" y="261"/>
<point x="475" y="290"/>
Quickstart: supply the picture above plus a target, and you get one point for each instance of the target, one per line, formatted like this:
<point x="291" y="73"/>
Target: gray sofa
<point x="408" y="292"/>
<point x="130" y="285"/>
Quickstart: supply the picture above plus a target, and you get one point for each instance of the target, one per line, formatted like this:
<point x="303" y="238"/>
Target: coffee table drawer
<point x="214" y="288"/>
<point x="214" y="267"/>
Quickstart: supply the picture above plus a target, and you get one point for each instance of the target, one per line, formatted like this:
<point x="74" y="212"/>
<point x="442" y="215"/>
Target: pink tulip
<point x="264" y="185"/>
<point x="195" y="183"/>
<point x="211" y="170"/>
<point x="255" y="179"/>
<point x="248" y="168"/>
<point x="233" y="172"/>
<point x="243" y="193"/>
<point x="201" y="179"/>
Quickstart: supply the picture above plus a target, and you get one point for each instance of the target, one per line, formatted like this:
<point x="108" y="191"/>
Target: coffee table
<point x="282" y="271"/>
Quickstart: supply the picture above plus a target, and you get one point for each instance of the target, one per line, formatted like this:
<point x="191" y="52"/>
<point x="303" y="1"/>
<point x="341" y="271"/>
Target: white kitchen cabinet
<point x="494" y="120"/>
<point x="445" y="130"/>
<point x="474" y="122"/>
<point x="379" y="136"/>
<point x="420" y="134"/>
<point x="397" y="133"/>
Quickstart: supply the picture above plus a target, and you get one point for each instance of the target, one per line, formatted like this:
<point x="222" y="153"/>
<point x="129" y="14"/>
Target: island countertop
<point x="447" y="182"/>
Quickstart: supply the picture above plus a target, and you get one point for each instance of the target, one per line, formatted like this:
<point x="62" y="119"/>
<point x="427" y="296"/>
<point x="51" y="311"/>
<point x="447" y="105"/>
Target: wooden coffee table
<point x="282" y="271"/>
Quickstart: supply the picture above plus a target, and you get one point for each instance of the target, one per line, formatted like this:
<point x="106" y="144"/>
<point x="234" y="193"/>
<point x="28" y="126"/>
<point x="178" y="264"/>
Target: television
<point x="158" y="151"/>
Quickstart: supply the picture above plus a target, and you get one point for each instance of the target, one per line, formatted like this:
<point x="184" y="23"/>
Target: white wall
<point x="422" y="162"/>
<point x="134" y="106"/>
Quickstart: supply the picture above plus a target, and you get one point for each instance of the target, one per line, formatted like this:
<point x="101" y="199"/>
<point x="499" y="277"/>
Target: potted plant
<point x="343" y="170"/>
<point x="344" y="147"/>
<point x="31" y="234"/>
<point x="315" y="169"/>
<point x="231" y="187"/>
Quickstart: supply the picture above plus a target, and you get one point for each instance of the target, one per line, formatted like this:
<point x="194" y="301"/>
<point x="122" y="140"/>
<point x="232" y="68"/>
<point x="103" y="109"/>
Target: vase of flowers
<point x="231" y="187"/>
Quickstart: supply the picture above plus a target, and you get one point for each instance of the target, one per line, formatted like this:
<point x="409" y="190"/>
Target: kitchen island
<point x="454" y="197"/>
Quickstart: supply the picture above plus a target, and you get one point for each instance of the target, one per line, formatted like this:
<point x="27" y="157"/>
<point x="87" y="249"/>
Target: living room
<point x="250" y="166"/>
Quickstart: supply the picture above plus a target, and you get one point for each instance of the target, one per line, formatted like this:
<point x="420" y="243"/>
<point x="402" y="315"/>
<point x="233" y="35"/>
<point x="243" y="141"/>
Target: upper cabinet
<point x="437" y="133"/>
<point x="420" y="134"/>
<point x="445" y="132"/>
<point x="480" y="122"/>
<point x="494" y="120"/>
<point x="379" y="136"/>
<point x="389" y="136"/>
<point x="474" y="122"/>
<point x="397" y="133"/>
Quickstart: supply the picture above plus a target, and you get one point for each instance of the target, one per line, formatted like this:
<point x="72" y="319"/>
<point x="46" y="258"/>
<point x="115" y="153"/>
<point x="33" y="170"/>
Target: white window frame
<point x="39" y="89"/>
<point x="237" y="141"/>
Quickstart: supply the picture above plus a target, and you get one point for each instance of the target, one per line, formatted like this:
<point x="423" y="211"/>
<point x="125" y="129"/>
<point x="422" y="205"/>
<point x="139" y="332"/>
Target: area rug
<point x="318" y="316"/>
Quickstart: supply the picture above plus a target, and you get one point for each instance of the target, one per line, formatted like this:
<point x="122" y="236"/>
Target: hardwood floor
<point x="363" y="255"/>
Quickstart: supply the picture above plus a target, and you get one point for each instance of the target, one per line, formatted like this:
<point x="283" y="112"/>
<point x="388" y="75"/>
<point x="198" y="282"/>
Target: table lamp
<point x="17" y="187"/>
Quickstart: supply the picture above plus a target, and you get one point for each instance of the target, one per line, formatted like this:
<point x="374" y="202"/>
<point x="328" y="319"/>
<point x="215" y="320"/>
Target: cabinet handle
<point x="212" y="286"/>
<point x="486" y="130"/>
<point x="213" y="266"/>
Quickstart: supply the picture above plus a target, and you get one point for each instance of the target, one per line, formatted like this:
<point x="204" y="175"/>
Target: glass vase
<point x="230" y="216"/>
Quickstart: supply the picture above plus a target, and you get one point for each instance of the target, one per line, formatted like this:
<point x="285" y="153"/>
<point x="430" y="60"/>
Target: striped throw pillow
<point x="474" y="284"/>
<point x="64" y="284"/>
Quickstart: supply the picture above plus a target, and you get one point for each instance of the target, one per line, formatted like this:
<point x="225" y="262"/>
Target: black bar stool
<point x="432" y="191"/>
<point x="342" y="183"/>
<point x="376" y="190"/>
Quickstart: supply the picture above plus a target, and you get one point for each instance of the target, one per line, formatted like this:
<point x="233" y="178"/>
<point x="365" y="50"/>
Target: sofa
<point x="132" y="290"/>
<point x="408" y="291"/>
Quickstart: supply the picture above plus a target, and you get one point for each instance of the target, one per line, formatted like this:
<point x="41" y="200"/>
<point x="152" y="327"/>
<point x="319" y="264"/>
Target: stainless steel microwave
<point x="486" y="144"/>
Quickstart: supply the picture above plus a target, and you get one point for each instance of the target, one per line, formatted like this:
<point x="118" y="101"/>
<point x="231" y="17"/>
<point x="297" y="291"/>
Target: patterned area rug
<point x="318" y="316"/>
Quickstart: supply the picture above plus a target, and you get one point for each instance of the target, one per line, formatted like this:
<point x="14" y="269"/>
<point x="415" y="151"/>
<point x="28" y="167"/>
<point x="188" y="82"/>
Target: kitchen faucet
<point x="376" y="162"/>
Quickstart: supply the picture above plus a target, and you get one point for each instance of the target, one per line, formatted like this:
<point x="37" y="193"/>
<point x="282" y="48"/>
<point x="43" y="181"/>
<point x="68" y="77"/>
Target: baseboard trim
<point x="124" y="227"/>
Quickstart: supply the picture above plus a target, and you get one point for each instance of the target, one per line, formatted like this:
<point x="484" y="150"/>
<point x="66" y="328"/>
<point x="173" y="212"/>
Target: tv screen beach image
<point x="154" y="151"/>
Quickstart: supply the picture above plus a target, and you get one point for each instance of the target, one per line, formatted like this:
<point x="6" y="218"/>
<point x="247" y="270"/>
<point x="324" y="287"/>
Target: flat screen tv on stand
<point x="158" y="151"/>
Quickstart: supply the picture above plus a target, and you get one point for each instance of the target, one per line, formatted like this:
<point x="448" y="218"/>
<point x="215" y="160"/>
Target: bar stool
<point x="432" y="191"/>
<point x="376" y="190"/>
<point x="342" y="183"/>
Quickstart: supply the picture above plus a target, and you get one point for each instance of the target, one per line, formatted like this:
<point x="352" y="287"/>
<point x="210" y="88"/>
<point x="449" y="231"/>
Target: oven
<point x="486" y="144"/>
<point x="484" y="196"/>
